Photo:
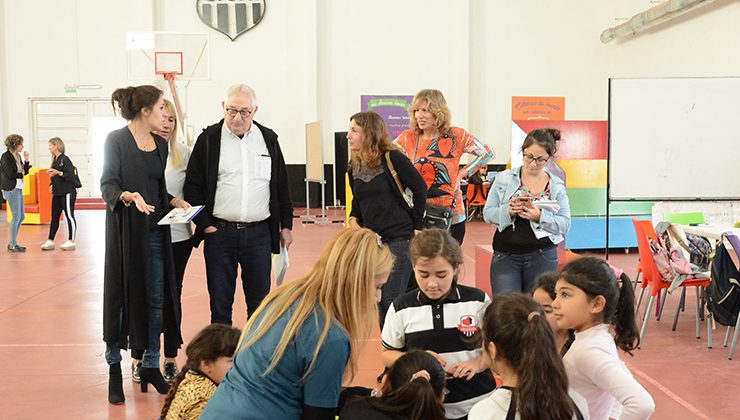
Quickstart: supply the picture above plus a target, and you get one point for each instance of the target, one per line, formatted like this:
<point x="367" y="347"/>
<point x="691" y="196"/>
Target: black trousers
<point x="64" y="203"/>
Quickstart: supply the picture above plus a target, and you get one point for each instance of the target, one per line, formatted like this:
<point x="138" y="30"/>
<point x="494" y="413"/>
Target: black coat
<point x="9" y="171"/>
<point x="202" y="175"/>
<point x="127" y="265"/>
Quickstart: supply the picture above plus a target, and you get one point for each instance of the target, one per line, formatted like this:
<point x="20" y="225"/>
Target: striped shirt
<point x="445" y="327"/>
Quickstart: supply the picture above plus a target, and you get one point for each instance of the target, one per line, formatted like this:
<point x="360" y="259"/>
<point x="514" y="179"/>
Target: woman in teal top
<point x="303" y="339"/>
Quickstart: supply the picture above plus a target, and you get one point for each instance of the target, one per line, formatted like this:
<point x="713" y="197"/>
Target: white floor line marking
<point x="668" y="392"/>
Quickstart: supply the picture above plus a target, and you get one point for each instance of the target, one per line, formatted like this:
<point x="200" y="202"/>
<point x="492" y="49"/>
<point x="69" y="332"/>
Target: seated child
<point x="210" y="355"/>
<point x="544" y="294"/>
<point x="413" y="389"/>
<point x="441" y="317"/>
<point x="520" y="344"/>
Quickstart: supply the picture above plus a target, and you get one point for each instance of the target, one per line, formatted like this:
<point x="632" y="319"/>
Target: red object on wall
<point x="579" y="134"/>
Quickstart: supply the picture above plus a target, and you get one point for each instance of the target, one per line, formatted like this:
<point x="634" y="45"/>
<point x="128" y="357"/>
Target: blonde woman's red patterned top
<point x="438" y="161"/>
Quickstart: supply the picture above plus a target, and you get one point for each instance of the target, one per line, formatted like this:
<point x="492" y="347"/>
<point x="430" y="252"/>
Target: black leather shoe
<point x="170" y="372"/>
<point x="153" y="376"/>
<point x="115" y="385"/>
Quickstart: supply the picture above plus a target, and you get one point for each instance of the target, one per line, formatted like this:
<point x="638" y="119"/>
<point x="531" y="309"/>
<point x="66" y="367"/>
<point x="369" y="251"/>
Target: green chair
<point x="685" y="218"/>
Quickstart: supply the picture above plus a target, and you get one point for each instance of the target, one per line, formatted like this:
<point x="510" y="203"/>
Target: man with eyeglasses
<point x="238" y="172"/>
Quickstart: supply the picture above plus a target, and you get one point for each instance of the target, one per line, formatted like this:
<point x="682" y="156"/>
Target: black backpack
<point x="723" y="292"/>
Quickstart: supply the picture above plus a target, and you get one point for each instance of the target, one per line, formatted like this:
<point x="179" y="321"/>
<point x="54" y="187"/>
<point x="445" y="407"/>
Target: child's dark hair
<point x="132" y="99"/>
<point x="517" y="327"/>
<point x="418" y="398"/>
<point x="432" y="243"/>
<point x="212" y="342"/>
<point x="546" y="138"/>
<point x="546" y="281"/>
<point x="596" y="278"/>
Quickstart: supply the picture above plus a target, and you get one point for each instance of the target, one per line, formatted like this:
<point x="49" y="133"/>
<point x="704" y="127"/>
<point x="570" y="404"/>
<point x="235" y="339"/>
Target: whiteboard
<point x="674" y="139"/>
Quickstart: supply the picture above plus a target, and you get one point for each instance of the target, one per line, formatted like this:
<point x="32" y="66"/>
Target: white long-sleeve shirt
<point x="496" y="406"/>
<point x="597" y="373"/>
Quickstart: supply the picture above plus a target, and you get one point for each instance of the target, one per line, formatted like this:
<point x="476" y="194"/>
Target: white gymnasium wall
<point x="312" y="59"/>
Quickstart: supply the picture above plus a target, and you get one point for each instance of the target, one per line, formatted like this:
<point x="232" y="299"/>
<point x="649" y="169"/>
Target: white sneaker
<point x="48" y="245"/>
<point x="68" y="246"/>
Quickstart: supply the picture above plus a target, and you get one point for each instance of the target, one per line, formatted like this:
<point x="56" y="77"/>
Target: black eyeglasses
<point x="530" y="158"/>
<point x="243" y="112"/>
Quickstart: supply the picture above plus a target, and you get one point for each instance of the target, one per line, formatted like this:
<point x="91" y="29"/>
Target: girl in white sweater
<point x="591" y="299"/>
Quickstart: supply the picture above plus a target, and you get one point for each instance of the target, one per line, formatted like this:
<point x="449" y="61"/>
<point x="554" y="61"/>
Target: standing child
<point x="544" y="294"/>
<point x="441" y="317"/>
<point x="210" y="356"/>
<point x="519" y="342"/>
<point x="590" y="300"/>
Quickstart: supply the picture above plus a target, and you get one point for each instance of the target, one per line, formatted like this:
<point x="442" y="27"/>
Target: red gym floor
<point x="51" y="349"/>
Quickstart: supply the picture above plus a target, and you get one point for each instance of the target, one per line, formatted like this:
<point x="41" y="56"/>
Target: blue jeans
<point x="518" y="272"/>
<point x="228" y="248"/>
<point x="14" y="198"/>
<point x="398" y="279"/>
<point x="154" y="304"/>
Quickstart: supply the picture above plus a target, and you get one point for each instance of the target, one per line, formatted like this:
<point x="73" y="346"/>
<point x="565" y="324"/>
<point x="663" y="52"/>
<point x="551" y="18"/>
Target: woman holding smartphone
<point x="529" y="207"/>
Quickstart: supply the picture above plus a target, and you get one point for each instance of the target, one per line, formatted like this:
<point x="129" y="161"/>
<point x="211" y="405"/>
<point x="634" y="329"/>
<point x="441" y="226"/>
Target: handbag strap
<point x="393" y="172"/>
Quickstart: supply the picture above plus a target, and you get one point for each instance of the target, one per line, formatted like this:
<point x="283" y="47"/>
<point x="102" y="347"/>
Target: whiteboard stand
<point x="321" y="219"/>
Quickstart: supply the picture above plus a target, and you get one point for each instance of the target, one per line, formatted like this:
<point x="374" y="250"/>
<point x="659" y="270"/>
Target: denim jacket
<point x="506" y="184"/>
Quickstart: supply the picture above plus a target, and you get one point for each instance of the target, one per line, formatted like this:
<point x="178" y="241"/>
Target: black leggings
<point x="64" y="203"/>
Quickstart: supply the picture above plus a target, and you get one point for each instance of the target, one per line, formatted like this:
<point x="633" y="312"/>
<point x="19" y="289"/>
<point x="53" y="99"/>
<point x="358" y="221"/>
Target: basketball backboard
<point x="150" y="54"/>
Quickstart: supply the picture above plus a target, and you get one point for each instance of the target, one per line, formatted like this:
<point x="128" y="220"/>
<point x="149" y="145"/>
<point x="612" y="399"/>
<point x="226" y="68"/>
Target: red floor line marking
<point x="668" y="392"/>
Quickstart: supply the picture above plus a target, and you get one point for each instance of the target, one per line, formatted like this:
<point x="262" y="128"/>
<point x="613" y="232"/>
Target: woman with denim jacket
<point x="527" y="234"/>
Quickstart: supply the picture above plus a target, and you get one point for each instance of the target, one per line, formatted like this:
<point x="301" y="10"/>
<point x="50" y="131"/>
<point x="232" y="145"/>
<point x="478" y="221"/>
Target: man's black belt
<point x="236" y="225"/>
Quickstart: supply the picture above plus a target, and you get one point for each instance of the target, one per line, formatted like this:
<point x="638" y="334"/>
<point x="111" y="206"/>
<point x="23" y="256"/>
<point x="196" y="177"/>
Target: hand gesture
<point x="439" y="358"/>
<point x="141" y="205"/>
<point x="286" y="238"/>
<point x="530" y="212"/>
<point x="179" y="202"/>
<point x="26" y="155"/>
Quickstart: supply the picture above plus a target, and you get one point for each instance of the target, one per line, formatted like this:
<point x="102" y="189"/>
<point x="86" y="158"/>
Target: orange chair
<point x="644" y="230"/>
<point x="477" y="195"/>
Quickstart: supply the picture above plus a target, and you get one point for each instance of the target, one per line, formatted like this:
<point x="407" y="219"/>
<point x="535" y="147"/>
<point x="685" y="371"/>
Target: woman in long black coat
<point x="139" y="275"/>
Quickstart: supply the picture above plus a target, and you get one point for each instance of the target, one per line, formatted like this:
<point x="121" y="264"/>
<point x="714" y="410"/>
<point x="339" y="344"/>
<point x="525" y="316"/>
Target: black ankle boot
<point x="115" y="384"/>
<point x="153" y="376"/>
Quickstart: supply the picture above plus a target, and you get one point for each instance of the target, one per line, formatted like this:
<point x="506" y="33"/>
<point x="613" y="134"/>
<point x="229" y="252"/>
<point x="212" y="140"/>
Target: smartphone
<point x="525" y="199"/>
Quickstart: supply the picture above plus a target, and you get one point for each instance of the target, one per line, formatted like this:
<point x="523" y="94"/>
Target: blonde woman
<point x="63" y="195"/>
<point x="304" y="339"/>
<point x="435" y="147"/>
<point x="174" y="172"/>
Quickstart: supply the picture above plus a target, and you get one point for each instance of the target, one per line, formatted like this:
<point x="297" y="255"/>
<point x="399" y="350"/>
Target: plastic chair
<point x="477" y="195"/>
<point x="644" y="282"/>
<point x="735" y="242"/>
<point x="652" y="276"/>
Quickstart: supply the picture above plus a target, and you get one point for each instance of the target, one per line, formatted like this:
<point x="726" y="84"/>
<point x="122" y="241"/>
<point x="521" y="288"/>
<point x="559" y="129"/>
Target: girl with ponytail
<point x="591" y="297"/>
<point x="413" y="389"/>
<point x="521" y="346"/>
<point x="210" y="356"/>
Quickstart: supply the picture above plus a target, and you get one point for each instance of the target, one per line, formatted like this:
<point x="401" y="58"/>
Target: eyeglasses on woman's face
<point x="540" y="160"/>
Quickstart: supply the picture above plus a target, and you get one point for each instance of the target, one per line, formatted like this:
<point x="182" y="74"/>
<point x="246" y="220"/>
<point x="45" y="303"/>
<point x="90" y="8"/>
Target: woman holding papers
<point x="530" y="209"/>
<point x="139" y="282"/>
<point x="174" y="172"/>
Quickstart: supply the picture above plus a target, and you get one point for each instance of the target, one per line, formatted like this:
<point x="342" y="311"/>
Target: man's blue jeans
<point x="227" y="248"/>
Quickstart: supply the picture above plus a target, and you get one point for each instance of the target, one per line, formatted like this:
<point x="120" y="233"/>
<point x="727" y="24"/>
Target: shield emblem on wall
<point x="231" y="17"/>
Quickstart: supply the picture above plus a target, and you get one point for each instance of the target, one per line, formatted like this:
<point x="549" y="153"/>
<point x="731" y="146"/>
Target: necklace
<point x="147" y="144"/>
